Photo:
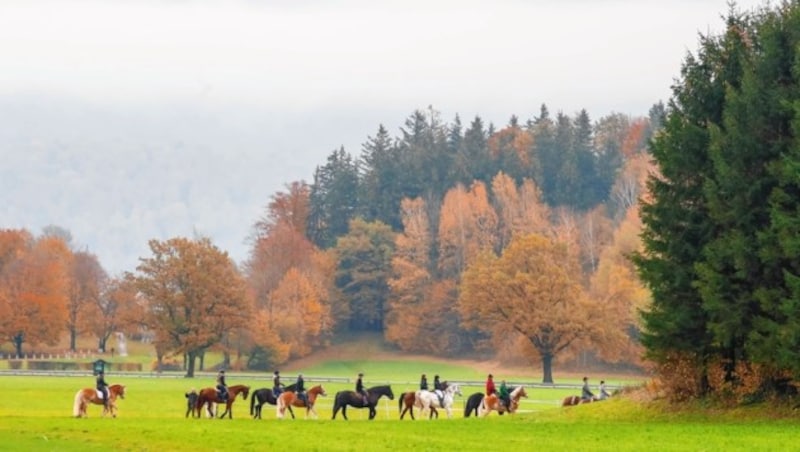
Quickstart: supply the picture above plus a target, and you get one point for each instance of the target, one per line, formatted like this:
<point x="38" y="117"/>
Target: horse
<point x="210" y="395"/>
<point x="577" y="400"/>
<point x="91" y="395"/>
<point x="493" y="403"/>
<point x="427" y="399"/>
<point x="287" y="399"/>
<point x="191" y="401"/>
<point x="345" y="398"/>
<point x="407" y="399"/>
<point x="473" y="402"/>
<point x="265" y="395"/>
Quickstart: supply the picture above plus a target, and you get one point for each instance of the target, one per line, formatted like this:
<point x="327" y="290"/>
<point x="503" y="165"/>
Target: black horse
<point x="473" y="402"/>
<point x="344" y="398"/>
<point x="265" y="395"/>
<point x="191" y="401"/>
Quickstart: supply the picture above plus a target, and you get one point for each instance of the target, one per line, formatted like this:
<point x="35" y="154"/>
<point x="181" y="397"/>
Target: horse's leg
<point x="344" y="411"/>
<point x="291" y="411"/>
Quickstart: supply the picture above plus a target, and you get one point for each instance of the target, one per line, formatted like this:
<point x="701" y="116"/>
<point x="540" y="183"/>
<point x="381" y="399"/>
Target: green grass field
<point x="35" y="414"/>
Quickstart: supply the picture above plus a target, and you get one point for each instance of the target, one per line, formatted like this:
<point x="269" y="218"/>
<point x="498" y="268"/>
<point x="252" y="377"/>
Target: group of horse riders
<point x="503" y="393"/>
<point x="438" y="387"/>
<point x="587" y="394"/>
<point x="300" y="389"/>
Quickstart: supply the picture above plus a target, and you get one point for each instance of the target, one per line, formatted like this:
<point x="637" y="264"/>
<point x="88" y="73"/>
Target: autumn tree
<point x="411" y="279"/>
<point x="532" y="290"/>
<point x="35" y="288"/>
<point x="87" y="278"/>
<point x="195" y="295"/>
<point x="115" y="309"/>
<point x="467" y="226"/>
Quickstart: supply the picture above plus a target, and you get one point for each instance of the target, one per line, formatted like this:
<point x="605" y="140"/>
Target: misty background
<point x="126" y="121"/>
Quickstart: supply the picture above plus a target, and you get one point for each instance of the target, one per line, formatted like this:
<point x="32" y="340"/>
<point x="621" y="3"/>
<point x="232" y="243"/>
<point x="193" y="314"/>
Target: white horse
<point x="426" y="399"/>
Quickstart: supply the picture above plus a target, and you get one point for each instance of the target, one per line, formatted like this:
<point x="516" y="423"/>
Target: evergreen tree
<point x="333" y="200"/>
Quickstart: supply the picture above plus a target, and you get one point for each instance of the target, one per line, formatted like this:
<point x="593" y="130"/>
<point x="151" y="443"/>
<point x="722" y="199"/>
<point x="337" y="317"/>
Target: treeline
<point x="722" y="229"/>
<point x="447" y="240"/>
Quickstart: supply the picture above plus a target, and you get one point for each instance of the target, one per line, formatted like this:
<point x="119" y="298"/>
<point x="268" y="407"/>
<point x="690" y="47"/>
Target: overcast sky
<point x="124" y="121"/>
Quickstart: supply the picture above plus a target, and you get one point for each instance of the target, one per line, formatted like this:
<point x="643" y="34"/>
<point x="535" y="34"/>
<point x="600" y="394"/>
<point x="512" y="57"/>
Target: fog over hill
<point x="116" y="178"/>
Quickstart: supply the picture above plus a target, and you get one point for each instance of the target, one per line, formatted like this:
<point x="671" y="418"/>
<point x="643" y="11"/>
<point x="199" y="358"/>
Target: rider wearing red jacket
<point x="490" y="389"/>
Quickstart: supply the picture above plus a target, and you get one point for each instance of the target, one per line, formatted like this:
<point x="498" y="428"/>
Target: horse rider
<point x="102" y="386"/>
<point x="277" y="386"/>
<point x="504" y="395"/>
<point x="490" y="389"/>
<point x="300" y="389"/>
<point x="603" y="393"/>
<point x="586" y="393"/>
<point x="360" y="388"/>
<point x="222" y="387"/>
<point x="423" y="383"/>
<point x="438" y="389"/>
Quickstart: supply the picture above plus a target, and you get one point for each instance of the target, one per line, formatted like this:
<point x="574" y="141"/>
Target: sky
<point x="124" y="121"/>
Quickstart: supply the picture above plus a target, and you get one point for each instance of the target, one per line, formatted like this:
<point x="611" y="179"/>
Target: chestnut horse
<point x="493" y="403"/>
<point x="287" y="399"/>
<point x="208" y="396"/>
<point x="407" y="399"/>
<point x="91" y="395"/>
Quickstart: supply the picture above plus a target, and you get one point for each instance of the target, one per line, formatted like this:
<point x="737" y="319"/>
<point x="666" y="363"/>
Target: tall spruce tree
<point x="676" y="222"/>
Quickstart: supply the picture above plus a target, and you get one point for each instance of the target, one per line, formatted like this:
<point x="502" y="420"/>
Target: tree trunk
<point x="202" y="360"/>
<point x="547" y="367"/>
<point x="101" y="344"/>
<point x="73" y="338"/>
<point x="18" y="339"/>
<point x="190" y="366"/>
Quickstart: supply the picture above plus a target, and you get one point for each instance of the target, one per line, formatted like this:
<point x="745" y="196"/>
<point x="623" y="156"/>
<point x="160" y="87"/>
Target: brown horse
<point x="91" y="395"/>
<point x="288" y="399"/>
<point x="493" y="403"/>
<point x="208" y="396"/>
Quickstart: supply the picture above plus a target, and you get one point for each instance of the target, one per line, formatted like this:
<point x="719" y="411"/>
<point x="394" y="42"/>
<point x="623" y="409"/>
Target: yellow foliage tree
<point x="532" y="290"/>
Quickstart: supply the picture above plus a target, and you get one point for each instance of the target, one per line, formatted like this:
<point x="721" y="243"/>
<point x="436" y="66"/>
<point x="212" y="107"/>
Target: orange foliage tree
<point x="195" y="295"/>
<point x="288" y="276"/>
<point x="34" y="287"/>
<point x="532" y="290"/>
<point x="410" y="282"/>
<point x="520" y="210"/>
<point x="467" y="226"/>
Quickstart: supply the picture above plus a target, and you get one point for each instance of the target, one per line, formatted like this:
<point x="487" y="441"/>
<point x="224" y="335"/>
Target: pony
<point x="191" y="401"/>
<point x="493" y="403"/>
<point x="345" y="398"/>
<point x="427" y="399"/>
<point x="91" y="395"/>
<point x="473" y="402"/>
<point x="265" y="395"/>
<point x="207" y="396"/>
<point x="287" y="399"/>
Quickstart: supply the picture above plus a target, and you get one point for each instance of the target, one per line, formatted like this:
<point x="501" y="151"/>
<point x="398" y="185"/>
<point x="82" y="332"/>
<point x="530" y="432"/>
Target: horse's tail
<point x="76" y="407"/>
<point x="400" y="402"/>
<point x="252" y="404"/>
<point x="468" y="407"/>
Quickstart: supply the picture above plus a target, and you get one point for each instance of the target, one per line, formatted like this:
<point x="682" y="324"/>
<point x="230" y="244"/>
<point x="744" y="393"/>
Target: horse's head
<point x="245" y="392"/>
<point x="518" y="392"/>
<point x="317" y="390"/>
<point x="454" y="389"/>
<point x="119" y="390"/>
<point x="389" y="393"/>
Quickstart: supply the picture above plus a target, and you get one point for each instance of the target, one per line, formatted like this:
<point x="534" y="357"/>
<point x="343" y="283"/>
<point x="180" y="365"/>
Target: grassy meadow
<point x="35" y="414"/>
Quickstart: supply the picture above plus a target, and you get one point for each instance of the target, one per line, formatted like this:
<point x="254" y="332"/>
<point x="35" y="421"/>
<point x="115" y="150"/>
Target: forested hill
<point x="573" y="160"/>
